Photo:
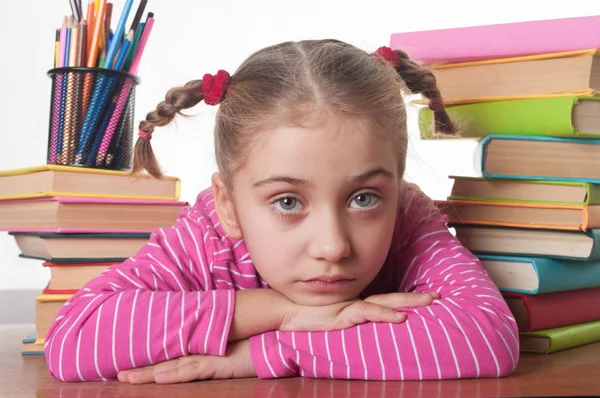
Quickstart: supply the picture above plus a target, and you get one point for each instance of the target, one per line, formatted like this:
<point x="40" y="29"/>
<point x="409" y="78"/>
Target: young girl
<point x="309" y="255"/>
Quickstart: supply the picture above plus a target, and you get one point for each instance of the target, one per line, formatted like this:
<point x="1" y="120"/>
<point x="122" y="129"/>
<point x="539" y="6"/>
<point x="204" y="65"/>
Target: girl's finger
<point x="403" y="300"/>
<point x="187" y="372"/>
<point x="365" y="311"/>
<point x="137" y="376"/>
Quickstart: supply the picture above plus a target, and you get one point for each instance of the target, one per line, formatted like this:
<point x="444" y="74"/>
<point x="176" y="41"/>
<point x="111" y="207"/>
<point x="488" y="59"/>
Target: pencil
<point x="138" y="15"/>
<point x="112" y="49"/>
<point x="90" y="29"/>
<point x="98" y="18"/>
<point x="106" y="30"/>
<point x="121" y="102"/>
<point x="70" y="106"/>
<point x="134" y="45"/>
<point x="68" y="41"/>
<point x="74" y="9"/>
<point x="82" y="50"/>
<point x="135" y="63"/>
<point x="56" y="48"/>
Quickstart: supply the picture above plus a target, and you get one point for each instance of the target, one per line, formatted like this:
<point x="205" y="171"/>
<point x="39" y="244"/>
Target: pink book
<point x="500" y="40"/>
<point x="87" y="214"/>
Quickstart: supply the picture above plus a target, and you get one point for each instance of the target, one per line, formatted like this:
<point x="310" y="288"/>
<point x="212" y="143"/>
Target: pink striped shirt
<point x="175" y="297"/>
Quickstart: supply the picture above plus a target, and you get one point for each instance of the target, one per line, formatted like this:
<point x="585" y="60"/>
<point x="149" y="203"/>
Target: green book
<point x="558" y="339"/>
<point x="569" y="116"/>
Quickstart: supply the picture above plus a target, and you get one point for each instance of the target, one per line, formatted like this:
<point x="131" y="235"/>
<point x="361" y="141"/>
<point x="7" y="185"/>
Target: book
<point x="568" y="245"/>
<point x="67" y="278"/>
<point x="539" y="158"/>
<point x="559" y="116"/>
<point x="536" y="275"/>
<point x="558" y="339"/>
<point x="499" y="40"/>
<point x="533" y="76"/>
<point x="80" y="214"/>
<point x="535" y="312"/>
<point x="521" y="215"/>
<point x="524" y="191"/>
<point x="46" y="309"/>
<point x="31" y="345"/>
<point x="74" y="248"/>
<point x="54" y="180"/>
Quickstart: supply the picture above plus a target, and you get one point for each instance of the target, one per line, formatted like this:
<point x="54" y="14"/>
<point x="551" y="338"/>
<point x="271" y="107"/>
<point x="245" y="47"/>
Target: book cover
<point x="499" y="40"/>
<point x="558" y="339"/>
<point x="534" y="76"/>
<point x="31" y="345"/>
<point x="530" y="242"/>
<point x="79" y="247"/>
<point x="520" y="215"/>
<point x="552" y="310"/>
<point x="38" y="188"/>
<point x="536" y="275"/>
<point x="525" y="117"/>
<point x="592" y="191"/>
<point x="481" y="157"/>
<point x="129" y="213"/>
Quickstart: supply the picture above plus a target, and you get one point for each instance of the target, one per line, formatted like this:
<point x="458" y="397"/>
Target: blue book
<point x="536" y="275"/>
<point x="539" y="158"/>
<point x="30" y="347"/>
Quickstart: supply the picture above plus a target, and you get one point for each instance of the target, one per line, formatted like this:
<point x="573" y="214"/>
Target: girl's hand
<point x="377" y="308"/>
<point x="234" y="365"/>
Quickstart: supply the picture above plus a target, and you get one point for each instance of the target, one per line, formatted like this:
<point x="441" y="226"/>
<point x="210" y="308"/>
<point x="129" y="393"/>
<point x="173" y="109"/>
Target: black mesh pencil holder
<point x="91" y="118"/>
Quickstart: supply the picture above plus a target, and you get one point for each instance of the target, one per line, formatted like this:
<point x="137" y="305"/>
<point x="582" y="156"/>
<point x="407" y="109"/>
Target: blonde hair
<point x="292" y="83"/>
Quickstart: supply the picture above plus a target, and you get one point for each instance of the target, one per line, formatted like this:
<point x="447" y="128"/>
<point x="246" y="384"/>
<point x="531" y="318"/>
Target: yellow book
<point x="55" y="180"/>
<point x="532" y="76"/>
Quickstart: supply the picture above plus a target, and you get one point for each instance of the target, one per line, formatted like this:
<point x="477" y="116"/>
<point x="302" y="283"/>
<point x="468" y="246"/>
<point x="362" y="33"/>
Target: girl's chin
<point x="312" y="299"/>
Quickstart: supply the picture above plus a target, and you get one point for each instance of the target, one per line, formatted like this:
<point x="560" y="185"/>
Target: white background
<point x="192" y="37"/>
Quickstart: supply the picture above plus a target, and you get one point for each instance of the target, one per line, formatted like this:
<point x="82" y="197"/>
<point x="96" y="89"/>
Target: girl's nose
<point x="330" y="241"/>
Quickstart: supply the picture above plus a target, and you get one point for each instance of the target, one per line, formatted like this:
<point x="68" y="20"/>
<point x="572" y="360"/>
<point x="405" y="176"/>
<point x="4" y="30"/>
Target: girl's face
<point x="317" y="208"/>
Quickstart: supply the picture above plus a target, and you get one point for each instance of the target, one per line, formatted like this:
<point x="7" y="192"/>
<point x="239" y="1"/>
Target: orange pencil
<point x="90" y="29"/>
<point x="98" y="22"/>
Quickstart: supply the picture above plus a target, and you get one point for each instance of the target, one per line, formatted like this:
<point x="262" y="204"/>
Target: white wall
<point x="192" y="37"/>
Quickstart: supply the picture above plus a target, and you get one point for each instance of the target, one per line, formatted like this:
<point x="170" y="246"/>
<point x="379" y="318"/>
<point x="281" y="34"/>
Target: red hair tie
<point x="436" y="105"/>
<point x="387" y="54"/>
<point x="214" y="87"/>
<point x="145" y="135"/>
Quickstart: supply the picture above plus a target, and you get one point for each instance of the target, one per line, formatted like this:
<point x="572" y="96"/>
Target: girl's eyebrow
<point x="380" y="171"/>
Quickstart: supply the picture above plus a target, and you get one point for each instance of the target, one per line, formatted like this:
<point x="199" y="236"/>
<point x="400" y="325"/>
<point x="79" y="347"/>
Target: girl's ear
<point x="225" y="208"/>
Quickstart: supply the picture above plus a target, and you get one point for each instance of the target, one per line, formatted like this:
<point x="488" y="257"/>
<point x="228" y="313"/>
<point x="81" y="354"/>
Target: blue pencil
<point x="112" y="49"/>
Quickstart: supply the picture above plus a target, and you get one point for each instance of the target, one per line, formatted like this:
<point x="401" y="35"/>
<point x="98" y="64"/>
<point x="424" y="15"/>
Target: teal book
<point x="539" y="158"/>
<point x="570" y="116"/>
<point x="536" y="275"/>
<point x="537" y="242"/>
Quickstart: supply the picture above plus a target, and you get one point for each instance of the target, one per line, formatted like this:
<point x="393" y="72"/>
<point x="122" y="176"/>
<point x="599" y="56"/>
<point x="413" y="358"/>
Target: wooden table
<point x="571" y="372"/>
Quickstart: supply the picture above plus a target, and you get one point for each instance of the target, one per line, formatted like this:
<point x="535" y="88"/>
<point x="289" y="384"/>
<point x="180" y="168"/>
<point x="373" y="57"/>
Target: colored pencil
<point x="56" y="47"/>
<point x="135" y="63"/>
<point x="82" y="51"/>
<point x="138" y="15"/>
<point x="70" y="105"/>
<point x="75" y="9"/>
<point x="121" y="102"/>
<point x="98" y="22"/>
<point x="106" y="30"/>
<point x="90" y="29"/>
<point x="112" y="48"/>
<point x="68" y="41"/>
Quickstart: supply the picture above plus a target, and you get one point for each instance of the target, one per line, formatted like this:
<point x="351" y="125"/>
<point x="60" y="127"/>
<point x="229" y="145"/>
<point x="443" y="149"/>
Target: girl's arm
<point x="468" y="333"/>
<point x="158" y="305"/>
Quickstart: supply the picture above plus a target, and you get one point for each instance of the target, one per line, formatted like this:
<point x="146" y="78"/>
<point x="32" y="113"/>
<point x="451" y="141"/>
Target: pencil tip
<point x="150" y="15"/>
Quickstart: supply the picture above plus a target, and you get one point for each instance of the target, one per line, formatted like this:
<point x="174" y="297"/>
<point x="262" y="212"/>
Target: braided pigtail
<point x="176" y="100"/>
<point x="420" y="80"/>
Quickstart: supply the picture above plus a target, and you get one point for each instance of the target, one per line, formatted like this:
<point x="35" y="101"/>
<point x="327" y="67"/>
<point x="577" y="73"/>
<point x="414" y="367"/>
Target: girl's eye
<point x="287" y="204"/>
<point x="364" y="201"/>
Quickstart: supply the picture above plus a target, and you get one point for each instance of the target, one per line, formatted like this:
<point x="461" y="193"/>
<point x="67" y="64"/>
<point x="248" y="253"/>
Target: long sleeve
<point x="468" y="333"/>
<point x="160" y="304"/>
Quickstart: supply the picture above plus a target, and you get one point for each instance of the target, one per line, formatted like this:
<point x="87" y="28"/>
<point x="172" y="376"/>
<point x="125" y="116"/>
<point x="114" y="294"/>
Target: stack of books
<point x="77" y="222"/>
<point x="527" y="91"/>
